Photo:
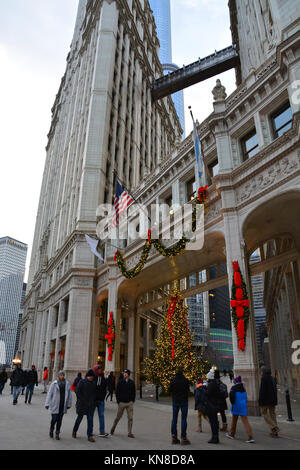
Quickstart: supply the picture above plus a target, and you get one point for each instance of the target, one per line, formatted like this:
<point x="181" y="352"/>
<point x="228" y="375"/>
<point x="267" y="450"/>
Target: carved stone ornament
<point x="219" y="91"/>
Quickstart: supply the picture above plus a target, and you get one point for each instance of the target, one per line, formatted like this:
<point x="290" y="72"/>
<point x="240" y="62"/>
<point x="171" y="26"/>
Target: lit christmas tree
<point x="174" y="347"/>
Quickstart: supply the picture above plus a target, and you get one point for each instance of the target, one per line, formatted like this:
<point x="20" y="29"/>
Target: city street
<point x="26" y="427"/>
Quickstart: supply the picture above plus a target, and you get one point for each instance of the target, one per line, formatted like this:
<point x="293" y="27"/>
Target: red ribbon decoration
<point x="149" y="236"/>
<point x="116" y="253"/>
<point x="110" y="335"/>
<point x="202" y="193"/>
<point x="239" y="303"/>
<point x="171" y="309"/>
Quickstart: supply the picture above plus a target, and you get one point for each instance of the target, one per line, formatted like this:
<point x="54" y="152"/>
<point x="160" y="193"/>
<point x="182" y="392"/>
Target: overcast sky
<point x="35" y="38"/>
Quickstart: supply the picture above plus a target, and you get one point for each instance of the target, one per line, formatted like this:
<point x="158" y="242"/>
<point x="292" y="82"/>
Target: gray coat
<point x="53" y="397"/>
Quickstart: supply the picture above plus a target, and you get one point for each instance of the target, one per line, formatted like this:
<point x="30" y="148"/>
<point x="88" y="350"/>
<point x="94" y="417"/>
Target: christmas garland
<point x="110" y="336"/>
<point x="168" y="252"/>
<point x="240" y="306"/>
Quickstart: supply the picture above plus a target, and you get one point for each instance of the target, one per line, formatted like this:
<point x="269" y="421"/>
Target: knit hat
<point x="61" y="372"/>
<point x="127" y="371"/>
<point x="211" y="374"/>
<point x="237" y="380"/>
<point x="90" y="373"/>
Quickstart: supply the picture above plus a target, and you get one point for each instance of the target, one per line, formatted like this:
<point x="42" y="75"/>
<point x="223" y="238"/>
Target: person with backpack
<point x="200" y="402"/>
<point x="238" y="399"/>
<point x="222" y="401"/>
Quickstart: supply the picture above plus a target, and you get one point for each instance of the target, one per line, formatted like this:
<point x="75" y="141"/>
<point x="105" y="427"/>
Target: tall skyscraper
<point x="12" y="268"/>
<point x="162" y="14"/>
<point x="104" y="123"/>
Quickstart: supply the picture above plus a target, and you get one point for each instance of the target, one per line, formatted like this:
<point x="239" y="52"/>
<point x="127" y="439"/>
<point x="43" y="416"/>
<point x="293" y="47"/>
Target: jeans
<point x="56" y="420"/>
<point x="184" y="412"/>
<point x="90" y="418"/>
<point x="1" y="388"/>
<point x="214" y="423"/>
<point x="29" y="392"/>
<point x="100" y="408"/>
<point x="16" y="392"/>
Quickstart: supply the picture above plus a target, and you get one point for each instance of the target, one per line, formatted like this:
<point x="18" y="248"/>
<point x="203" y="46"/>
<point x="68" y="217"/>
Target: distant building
<point x="162" y="14"/>
<point x="12" y="267"/>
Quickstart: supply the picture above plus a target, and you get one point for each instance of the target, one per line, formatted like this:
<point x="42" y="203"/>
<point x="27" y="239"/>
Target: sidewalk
<point x="26" y="427"/>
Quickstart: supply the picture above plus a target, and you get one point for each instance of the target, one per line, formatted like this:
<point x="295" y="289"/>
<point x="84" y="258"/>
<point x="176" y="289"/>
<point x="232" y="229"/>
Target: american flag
<point x="122" y="201"/>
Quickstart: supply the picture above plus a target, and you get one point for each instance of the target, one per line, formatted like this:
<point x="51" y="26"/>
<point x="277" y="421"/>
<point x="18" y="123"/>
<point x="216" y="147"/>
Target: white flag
<point x="93" y="246"/>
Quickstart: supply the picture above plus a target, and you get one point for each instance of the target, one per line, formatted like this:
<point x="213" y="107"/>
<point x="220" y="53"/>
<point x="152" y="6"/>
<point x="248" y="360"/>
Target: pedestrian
<point x="125" y="395"/>
<point x="200" y="402"/>
<point x="224" y="372"/>
<point x="238" y="399"/>
<point x="17" y="381"/>
<point x="179" y="388"/>
<point x="268" y="401"/>
<point x="3" y="379"/>
<point x="111" y="385"/>
<point x="86" y="403"/>
<point x="231" y="376"/>
<point x="24" y="383"/>
<point x="212" y="405"/>
<point x="32" y="380"/>
<point x="45" y="379"/>
<point x="101" y="387"/>
<point x="59" y="400"/>
<point x="222" y="400"/>
<point x="76" y="381"/>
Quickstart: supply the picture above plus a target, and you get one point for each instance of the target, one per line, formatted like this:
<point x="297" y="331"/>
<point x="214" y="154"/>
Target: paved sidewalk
<point x="26" y="427"/>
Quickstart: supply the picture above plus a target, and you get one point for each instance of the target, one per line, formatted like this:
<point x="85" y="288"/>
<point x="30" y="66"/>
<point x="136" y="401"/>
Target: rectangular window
<point x="56" y="315"/>
<point x="66" y="309"/>
<point x="191" y="189"/>
<point x="282" y="120"/>
<point x="250" y="144"/>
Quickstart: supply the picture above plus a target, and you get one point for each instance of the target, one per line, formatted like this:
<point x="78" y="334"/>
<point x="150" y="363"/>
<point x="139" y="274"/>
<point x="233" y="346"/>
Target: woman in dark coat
<point x="86" y="403"/>
<point x="222" y="401"/>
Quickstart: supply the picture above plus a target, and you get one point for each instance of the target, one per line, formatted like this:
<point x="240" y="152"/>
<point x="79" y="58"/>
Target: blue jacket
<point x="238" y="399"/>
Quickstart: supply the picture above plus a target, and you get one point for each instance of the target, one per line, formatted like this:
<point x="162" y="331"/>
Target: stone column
<point x="49" y="328"/>
<point x="131" y="342"/>
<point x="61" y="312"/>
<point x="114" y="364"/>
<point x="245" y="363"/>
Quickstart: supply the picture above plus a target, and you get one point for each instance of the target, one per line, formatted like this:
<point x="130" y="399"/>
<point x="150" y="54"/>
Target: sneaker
<point x="103" y="434"/>
<point x="250" y="440"/>
<point x="229" y="435"/>
<point x="130" y="434"/>
<point x="175" y="440"/>
<point x="185" y="441"/>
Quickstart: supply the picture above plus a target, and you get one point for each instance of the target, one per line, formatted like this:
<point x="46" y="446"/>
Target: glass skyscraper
<point x="162" y="14"/>
<point x="12" y="268"/>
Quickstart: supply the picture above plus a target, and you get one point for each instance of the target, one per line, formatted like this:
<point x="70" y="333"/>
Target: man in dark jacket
<point x="17" y="382"/>
<point x="268" y="401"/>
<point x="101" y="387"/>
<point x="86" y="403"/>
<point x="125" y="395"/>
<point x="3" y="379"/>
<point x="31" y="381"/>
<point x="179" y="388"/>
<point x="213" y="405"/>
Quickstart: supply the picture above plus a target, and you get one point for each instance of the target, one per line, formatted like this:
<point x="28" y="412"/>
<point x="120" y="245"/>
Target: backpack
<point x="223" y="391"/>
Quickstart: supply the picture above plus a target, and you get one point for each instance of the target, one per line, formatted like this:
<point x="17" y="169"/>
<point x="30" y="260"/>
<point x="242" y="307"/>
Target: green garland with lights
<point x="168" y="252"/>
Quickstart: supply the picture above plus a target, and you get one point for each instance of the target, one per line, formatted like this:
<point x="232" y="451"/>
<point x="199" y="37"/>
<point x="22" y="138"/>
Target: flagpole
<point x="200" y="177"/>
<point x="124" y="186"/>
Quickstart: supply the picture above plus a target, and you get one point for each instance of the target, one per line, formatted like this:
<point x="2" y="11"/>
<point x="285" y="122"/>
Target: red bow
<point x="116" y="254"/>
<point x="202" y="193"/>
<point x="239" y="305"/>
